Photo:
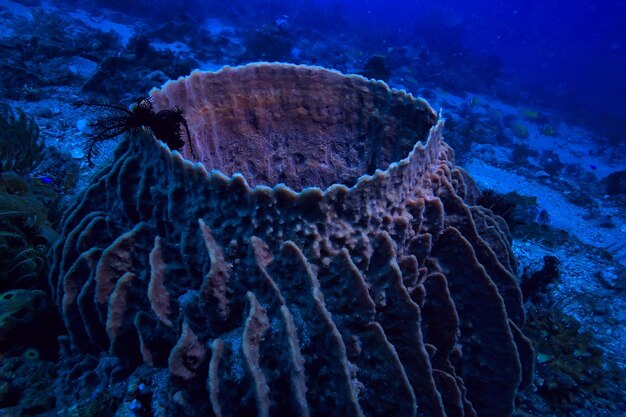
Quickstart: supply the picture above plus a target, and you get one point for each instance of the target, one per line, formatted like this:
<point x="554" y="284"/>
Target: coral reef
<point x="572" y="371"/>
<point x="20" y="145"/>
<point x="535" y="284"/>
<point x="40" y="50"/>
<point x="356" y="278"/>
<point x="520" y="130"/>
<point x="29" y="324"/>
<point x="17" y="310"/>
<point x="26" y="385"/>
<point x="132" y="71"/>
<point x="518" y="210"/>
<point x="615" y="183"/>
<point x="376" y="68"/>
<point x="272" y="42"/>
<point x="550" y="162"/>
<point x="25" y="232"/>
<point x="135" y="69"/>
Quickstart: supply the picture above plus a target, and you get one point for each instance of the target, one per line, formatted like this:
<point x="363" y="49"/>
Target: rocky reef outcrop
<point x="327" y="258"/>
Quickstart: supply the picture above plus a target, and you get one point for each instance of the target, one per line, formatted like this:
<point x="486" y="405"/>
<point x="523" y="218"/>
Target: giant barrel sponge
<point x="325" y="258"/>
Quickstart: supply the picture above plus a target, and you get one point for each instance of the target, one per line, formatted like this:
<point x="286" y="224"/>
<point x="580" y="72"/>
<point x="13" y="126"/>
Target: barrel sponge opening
<point x="297" y="125"/>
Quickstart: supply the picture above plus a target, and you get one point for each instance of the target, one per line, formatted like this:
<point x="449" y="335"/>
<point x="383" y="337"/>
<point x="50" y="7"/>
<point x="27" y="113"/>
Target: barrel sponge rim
<point x="372" y="126"/>
<point x="252" y="65"/>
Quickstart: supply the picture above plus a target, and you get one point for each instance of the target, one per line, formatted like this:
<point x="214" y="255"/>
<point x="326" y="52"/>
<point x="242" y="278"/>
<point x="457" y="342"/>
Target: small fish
<point x="45" y="180"/>
<point x="592" y="166"/>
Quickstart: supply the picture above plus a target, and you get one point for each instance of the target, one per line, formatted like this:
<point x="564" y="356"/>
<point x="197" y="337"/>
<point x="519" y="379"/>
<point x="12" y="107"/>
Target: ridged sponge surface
<point x="324" y="259"/>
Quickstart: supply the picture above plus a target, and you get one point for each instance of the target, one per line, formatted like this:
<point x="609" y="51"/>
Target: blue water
<point x="552" y="41"/>
<point x="567" y="54"/>
<point x="574" y="49"/>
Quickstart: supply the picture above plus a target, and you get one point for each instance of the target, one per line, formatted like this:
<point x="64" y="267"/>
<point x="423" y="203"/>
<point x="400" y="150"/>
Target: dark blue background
<point x="574" y="48"/>
<point x="573" y="51"/>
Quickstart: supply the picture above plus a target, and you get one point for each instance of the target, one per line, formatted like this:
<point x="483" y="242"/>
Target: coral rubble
<point x="332" y="262"/>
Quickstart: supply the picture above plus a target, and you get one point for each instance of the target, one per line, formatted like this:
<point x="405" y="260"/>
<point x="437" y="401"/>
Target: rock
<point x="81" y="67"/>
<point x="535" y="284"/>
<point x="610" y="279"/>
<point x="550" y="162"/>
<point x="616" y="183"/>
<point x="83" y="126"/>
<point x="44" y="112"/>
<point x="520" y="130"/>
<point x="541" y="174"/>
<point x="78" y="153"/>
<point x="27" y="386"/>
<point x="376" y="68"/>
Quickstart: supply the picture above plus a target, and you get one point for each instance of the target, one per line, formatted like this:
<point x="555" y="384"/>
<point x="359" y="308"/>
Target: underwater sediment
<point x="326" y="258"/>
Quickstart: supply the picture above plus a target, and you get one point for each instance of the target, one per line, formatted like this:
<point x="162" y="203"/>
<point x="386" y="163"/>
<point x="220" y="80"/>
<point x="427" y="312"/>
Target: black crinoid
<point x="168" y="126"/>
